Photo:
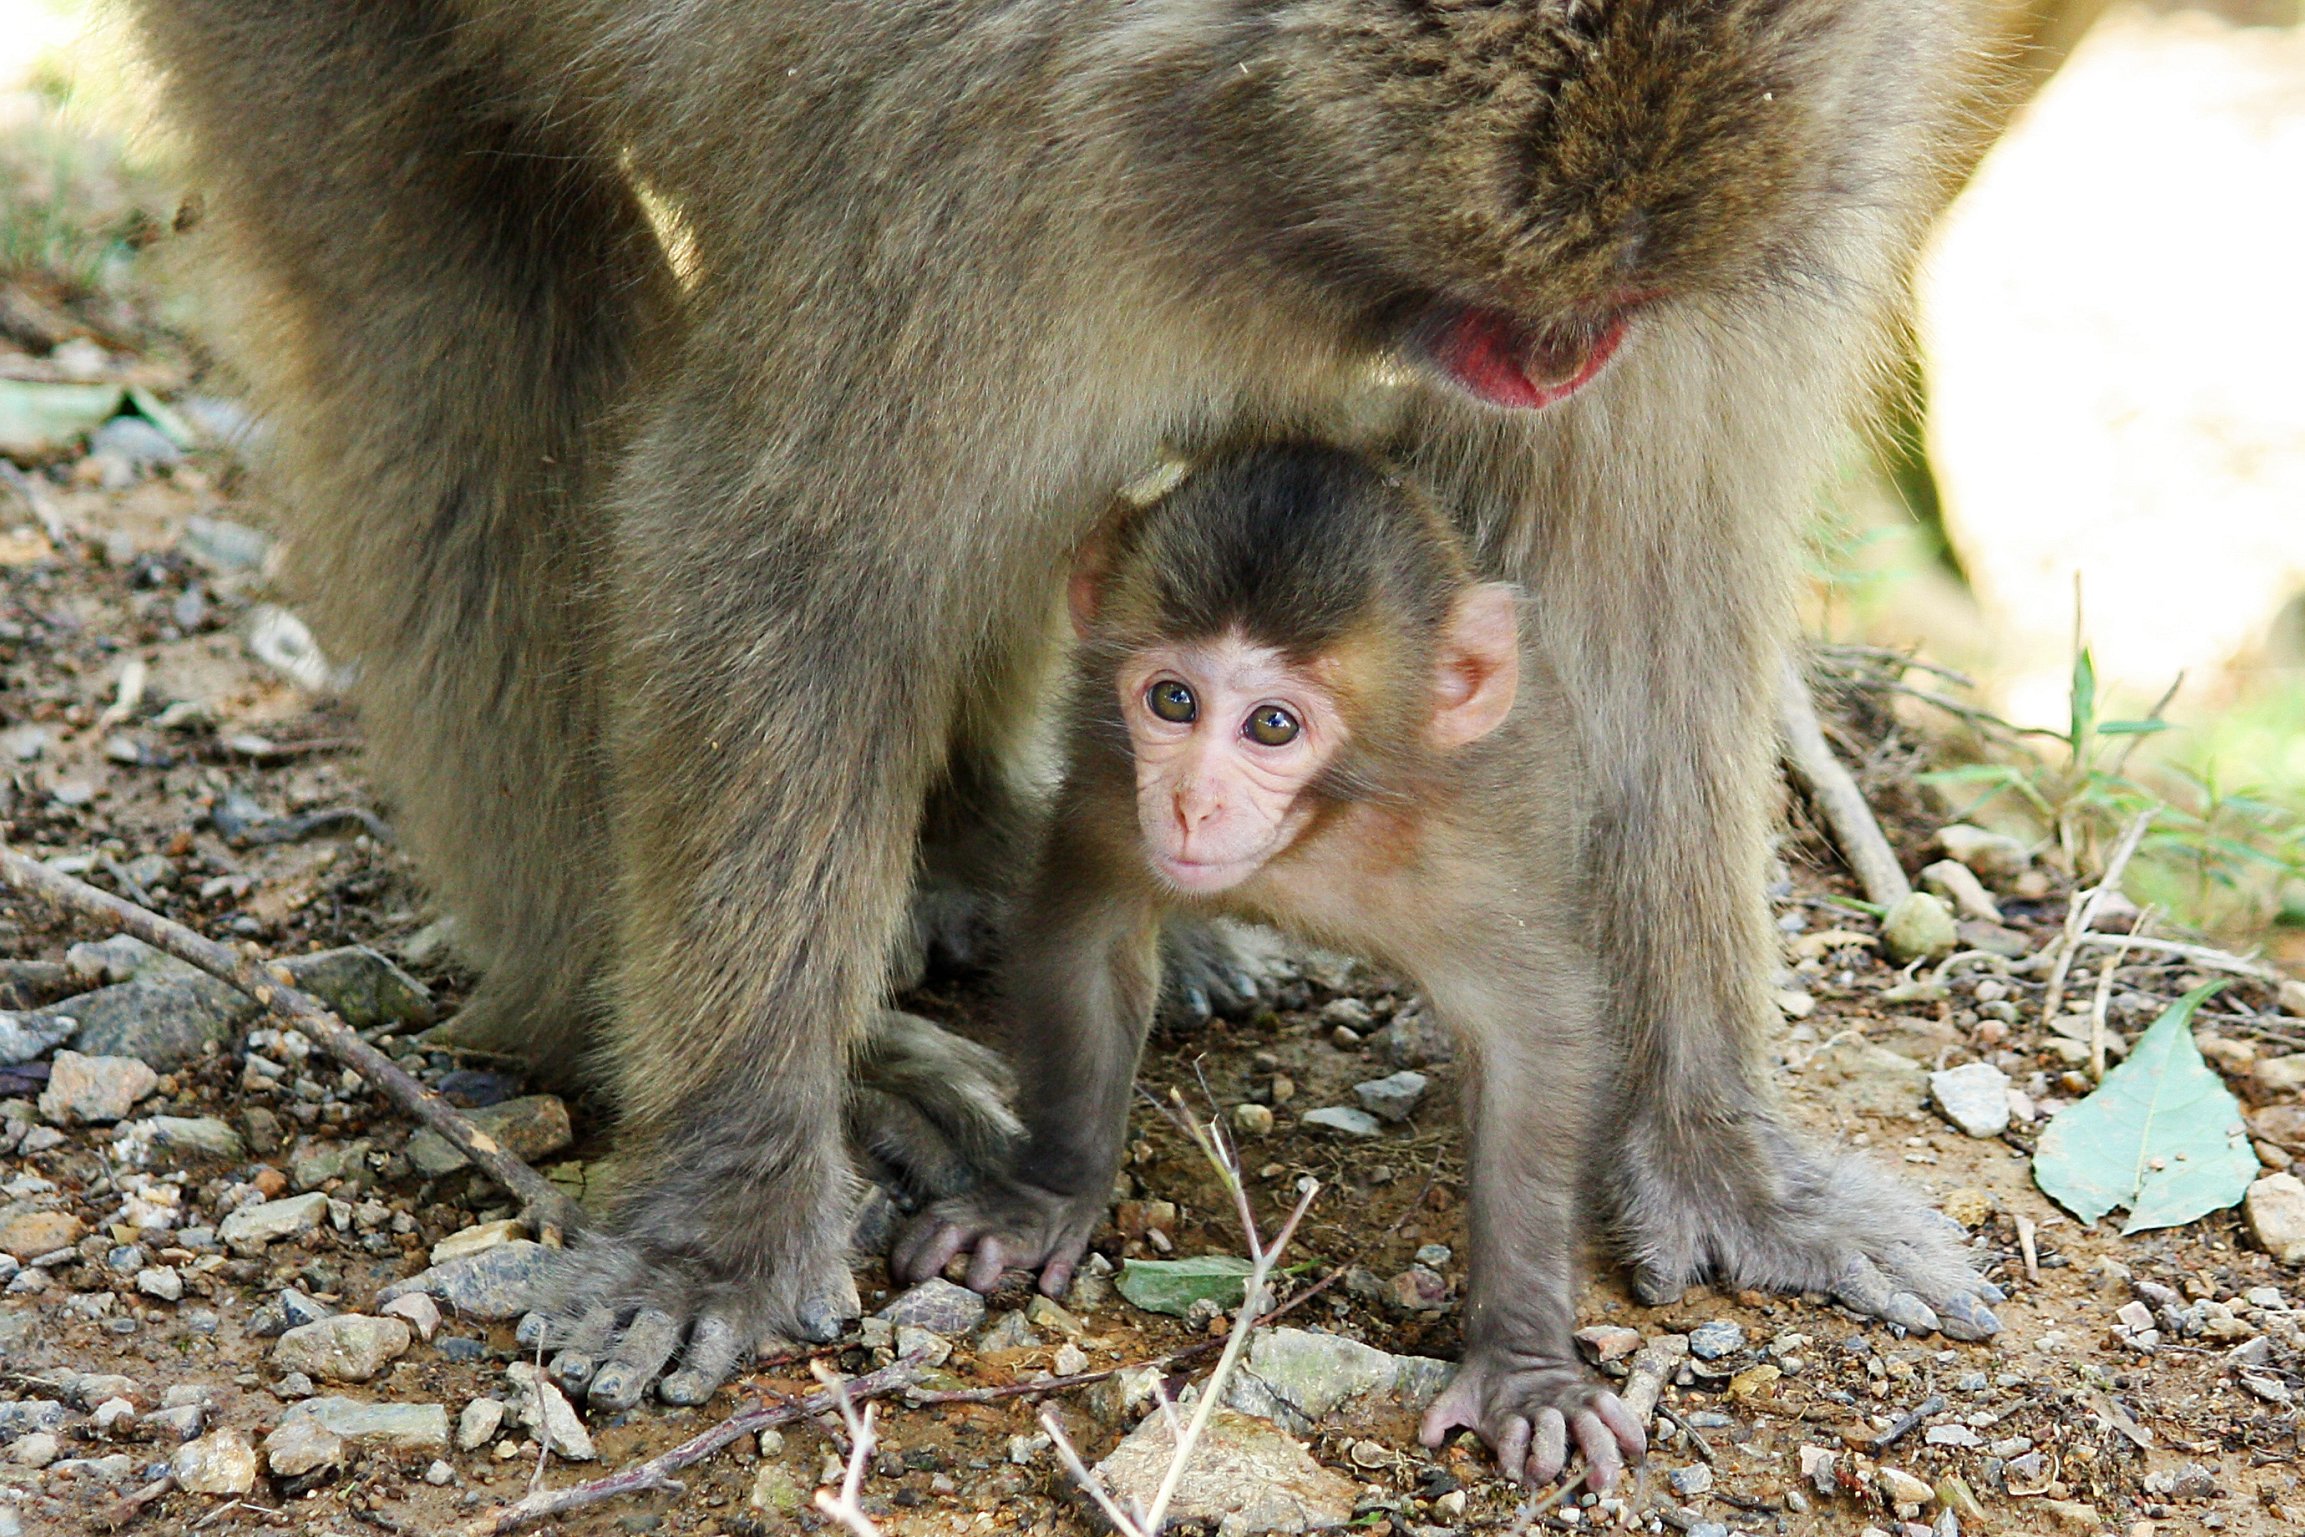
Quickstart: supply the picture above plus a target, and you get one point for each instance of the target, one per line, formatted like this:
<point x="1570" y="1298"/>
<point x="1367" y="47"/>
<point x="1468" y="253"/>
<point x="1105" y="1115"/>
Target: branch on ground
<point x="270" y="985"/>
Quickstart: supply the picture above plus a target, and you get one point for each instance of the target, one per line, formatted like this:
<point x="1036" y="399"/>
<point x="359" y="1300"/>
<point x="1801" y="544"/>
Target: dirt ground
<point x="220" y="795"/>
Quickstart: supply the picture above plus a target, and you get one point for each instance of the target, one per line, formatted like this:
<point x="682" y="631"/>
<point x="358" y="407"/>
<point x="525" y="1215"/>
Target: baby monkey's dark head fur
<point x="1319" y="553"/>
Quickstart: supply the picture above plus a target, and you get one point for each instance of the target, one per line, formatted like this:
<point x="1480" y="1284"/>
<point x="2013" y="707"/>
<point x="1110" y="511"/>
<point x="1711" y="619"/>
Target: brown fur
<point x="671" y="592"/>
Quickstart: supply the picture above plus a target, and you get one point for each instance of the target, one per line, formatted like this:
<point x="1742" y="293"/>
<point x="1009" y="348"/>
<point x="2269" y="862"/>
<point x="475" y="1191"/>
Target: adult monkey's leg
<point x="777" y="721"/>
<point x="442" y="298"/>
<point x="1661" y="583"/>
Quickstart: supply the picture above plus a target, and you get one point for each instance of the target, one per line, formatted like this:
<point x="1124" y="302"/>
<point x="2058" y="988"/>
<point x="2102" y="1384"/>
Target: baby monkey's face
<point x="1228" y="737"/>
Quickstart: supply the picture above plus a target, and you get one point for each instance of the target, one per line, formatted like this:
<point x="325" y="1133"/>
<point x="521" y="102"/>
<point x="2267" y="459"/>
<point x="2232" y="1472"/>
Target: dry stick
<point x="2081" y="911"/>
<point x="656" y="1473"/>
<point x="2104" y="998"/>
<point x="1832" y="791"/>
<point x="270" y="987"/>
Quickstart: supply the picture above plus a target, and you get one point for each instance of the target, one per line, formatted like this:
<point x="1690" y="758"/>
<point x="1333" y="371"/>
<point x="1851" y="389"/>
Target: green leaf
<point x="38" y="419"/>
<point x="1173" y="1285"/>
<point x="2161" y="1135"/>
<point x="2084" y="700"/>
<point x="164" y="416"/>
<point x="2131" y="727"/>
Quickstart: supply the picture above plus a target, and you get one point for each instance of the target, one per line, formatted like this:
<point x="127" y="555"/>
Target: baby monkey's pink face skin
<point x="1227" y="736"/>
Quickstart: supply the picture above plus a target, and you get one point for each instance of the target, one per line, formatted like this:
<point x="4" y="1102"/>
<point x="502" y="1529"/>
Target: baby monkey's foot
<point x="1534" y="1415"/>
<point x="1006" y="1225"/>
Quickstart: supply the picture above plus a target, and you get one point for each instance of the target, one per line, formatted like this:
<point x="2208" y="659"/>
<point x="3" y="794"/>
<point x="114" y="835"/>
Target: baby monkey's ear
<point x="1480" y="665"/>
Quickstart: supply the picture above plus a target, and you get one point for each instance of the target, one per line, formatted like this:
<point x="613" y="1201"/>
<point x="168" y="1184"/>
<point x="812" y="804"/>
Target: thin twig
<point x="2200" y="955"/>
<point x="271" y="986"/>
<point x="2028" y="1244"/>
<point x="847" y="1506"/>
<point x="1696" y="1436"/>
<point x="2104" y="997"/>
<point x="1834" y="792"/>
<point x="656" y="1473"/>
<point x="2081" y="910"/>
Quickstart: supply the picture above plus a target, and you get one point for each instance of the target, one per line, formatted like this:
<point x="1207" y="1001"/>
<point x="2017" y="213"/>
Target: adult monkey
<point x="717" y="566"/>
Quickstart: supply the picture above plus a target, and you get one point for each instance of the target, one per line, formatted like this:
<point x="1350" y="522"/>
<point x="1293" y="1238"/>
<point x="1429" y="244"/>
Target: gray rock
<point x="117" y="1468"/>
<point x="1246" y="1476"/>
<point x="364" y="988"/>
<point x="1344" y="1121"/>
<point x="182" y="1423"/>
<point x="1865" y="1079"/>
<point x="1295" y="1377"/>
<point x="1393" y="1098"/>
<point x="26" y="1036"/>
<point x="125" y="958"/>
<point x="1416" y="1039"/>
<point x="938" y="1306"/>
<point x="1690" y="1481"/>
<point x="29" y="984"/>
<point x="224" y="546"/>
<point x="388" y="1427"/>
<point x="304" y="1446"/>
<point x="246" y="1231"/>
<point x="346" y="1348"/>
<point x="1974" y="1097"/>
<point x="529" y="1129"/>
<point x="136" y="444"/>
<point x="166" y="1022"/>
<point x="162" y="1281"/>
<point x="1918" y="926"/>
<point x="1418" y="1290"/>
<point x="1711" y="1341"/>
<point x="314" y="1163"/>
<point x="1007" y="1332"/>
<point x="85" y="1090"/>
<point x="545" y="1410"/>
<point x="88" y="1389"/>
<point x="23" y="1416"/>
<point x="503" y="1282"/>
<point x="198" y="1136"/>
<point x="478" y="1424"/>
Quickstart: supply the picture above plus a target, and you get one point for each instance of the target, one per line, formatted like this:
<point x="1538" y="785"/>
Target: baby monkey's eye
<point x="1272" y="726"/>
<point x="1172" y="701"/>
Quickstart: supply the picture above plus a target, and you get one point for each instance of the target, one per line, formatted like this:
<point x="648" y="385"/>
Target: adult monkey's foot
<point x="708" y="1264"/>
<point x="1533" y="1413"/>
<point x="1216" y="966"/>
<point x="1809" y="1222"/>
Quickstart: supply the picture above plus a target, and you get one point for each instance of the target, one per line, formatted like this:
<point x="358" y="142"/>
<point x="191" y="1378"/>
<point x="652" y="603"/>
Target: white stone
<point x="299" y="1446"/>
<point x="478" y="1424"/>
<point x="419" y="1311"/>
<point x="478" y="1239"/>
<point x="1974" y="1097"/>
<point x="221" y="1462"/>
<point x="246" y="1231"/>
<point x="345" y="1348"/>
<point x="88" y="1091"/>
<point x="2275" y="1207"/>
<point x="545" y="1410"/>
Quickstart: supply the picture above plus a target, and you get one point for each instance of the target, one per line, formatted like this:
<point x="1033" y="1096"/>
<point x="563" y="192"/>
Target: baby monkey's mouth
<point x="1501" y="359"/>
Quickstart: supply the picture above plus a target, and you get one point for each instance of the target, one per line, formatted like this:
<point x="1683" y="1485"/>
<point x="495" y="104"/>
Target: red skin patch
<point x="1496" y="359"/>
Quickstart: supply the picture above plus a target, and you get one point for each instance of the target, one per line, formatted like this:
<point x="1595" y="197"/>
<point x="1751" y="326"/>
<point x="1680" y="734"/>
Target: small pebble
<point x="1711" y="1341"/>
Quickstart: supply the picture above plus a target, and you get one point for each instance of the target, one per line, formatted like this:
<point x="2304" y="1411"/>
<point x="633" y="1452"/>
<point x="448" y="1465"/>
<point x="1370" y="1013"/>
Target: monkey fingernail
<point x="573" y="1370"/>
<point x="1988" y="1292"/>
<point x="531" y="1330"/>
<point x="1965" y="1318"/>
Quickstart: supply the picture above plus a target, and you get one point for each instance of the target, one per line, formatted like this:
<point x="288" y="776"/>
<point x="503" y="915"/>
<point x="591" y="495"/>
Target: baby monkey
<point x="1295" y="703"/>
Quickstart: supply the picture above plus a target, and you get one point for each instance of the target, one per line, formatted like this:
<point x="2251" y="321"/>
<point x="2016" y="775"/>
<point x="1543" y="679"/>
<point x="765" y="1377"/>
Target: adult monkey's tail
<point x="440" y="293"/>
